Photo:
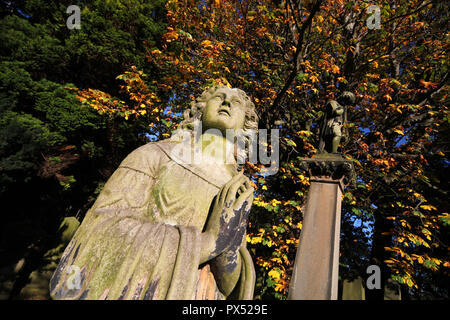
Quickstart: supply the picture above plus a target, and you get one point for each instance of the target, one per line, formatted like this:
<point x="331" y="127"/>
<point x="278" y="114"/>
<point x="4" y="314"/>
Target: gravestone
<point x="37" y="286"/>
<point x="353" y="289"/>
<point x="392" y="290"/>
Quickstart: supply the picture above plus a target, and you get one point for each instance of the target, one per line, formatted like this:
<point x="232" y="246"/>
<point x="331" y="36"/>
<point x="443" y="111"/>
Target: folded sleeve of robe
<point x="121" y="251"/>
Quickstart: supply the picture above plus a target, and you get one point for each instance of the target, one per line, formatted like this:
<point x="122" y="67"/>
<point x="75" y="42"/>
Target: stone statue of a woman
<point x="164" y="228"/>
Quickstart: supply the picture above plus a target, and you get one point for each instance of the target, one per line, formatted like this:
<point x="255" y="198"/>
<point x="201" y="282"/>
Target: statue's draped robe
<point x="330" y="125"/>
<point x="331" y="119"/>
<point x="140" y="240"/>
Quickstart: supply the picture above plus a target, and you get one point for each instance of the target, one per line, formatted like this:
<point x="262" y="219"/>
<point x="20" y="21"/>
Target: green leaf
<point x="302" y="77"/>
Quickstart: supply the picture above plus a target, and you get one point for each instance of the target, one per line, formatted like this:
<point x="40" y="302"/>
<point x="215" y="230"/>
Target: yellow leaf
<point x="399" y="131"/>
<point x="417" y="195"/>
<point x="335" y="69"/>
<point x="290" y="142"/>
<point x="409" y="282"/>
<point x="437" y="261"/>
<point x="313" y="78"/>
<point x="279" y="286"/>
<point x="274" y="274"/>
<point x="304" y="133"/>
<point x="207" y="44"/>
<point x="172" y="35"/>
<point x="255" y="240"/>
<point x="428" y="207"/>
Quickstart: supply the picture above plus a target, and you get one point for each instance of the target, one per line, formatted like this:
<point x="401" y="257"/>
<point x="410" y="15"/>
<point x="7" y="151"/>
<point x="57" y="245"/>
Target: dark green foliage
<point x="56" y="153"/>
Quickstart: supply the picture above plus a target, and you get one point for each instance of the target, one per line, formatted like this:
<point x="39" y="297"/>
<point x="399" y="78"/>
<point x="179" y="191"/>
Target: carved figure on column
<point x="331" y="129"/>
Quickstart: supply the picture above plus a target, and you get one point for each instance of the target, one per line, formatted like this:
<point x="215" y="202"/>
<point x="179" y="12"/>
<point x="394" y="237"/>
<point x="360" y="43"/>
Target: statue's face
<point x="225" y="109"/>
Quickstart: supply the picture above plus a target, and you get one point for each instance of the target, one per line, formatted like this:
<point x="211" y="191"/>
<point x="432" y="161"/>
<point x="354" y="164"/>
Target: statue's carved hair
<point x="198" y="105"/>
<point x="194" y="114"/>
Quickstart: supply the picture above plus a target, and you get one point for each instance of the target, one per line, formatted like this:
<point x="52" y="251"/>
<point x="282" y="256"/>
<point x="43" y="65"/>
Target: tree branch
<point x="432" y="91"/>
<point x="299" y="46"/>
<point x="409" y="13"/>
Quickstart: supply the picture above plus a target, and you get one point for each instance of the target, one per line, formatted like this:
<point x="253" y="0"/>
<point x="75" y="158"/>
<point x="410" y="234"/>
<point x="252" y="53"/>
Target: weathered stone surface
<point x="392" y="290"/>
<point x="333" y="122"/>
<point x="147" y="233"/>
<point x="37" y="287"/>
<point x="353" y="290"/>
<point x="315" y="274"/>
<point x="8" y="275"/>
<point x="330" y="165"/>
<point x="316" y="268"/>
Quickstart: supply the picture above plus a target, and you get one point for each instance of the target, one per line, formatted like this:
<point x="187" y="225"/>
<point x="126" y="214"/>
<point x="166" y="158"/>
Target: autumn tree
<point x="291" y="58"/>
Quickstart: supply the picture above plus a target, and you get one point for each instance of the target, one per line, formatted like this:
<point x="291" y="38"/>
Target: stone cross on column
<point x="316" y="268"/>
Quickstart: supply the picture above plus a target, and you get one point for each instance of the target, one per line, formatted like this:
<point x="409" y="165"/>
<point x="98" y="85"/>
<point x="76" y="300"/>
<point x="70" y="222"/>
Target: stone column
<point x="316" y="268"/>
